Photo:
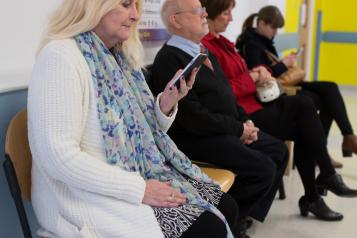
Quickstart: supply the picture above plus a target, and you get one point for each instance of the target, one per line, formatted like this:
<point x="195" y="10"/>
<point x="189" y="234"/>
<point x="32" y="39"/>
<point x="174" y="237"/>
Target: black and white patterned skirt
<point x="175" y="221"/>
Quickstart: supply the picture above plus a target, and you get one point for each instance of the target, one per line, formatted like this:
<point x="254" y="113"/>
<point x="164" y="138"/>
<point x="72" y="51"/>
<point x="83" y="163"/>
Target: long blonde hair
<point x="73" y="17"/>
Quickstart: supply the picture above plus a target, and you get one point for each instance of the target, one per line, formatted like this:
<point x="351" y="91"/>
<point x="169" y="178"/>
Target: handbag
<point x="268" y="91"/>
<point x="293" y="76"/>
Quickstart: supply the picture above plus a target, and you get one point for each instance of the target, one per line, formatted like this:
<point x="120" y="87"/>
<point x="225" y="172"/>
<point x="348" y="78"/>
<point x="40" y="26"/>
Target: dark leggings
<point x="259" y="167"/>
<point x="295" y="118"/>
<point x="209" y="225"/>
<point x="328" y="100"/>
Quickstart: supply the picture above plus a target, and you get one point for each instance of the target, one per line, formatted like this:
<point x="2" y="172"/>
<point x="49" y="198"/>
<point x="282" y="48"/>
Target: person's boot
<point x="319" y="209"/>
<point x="242" y="228"/>
<point x="336" y="164"/>
<point x="249" y="222"/>
<point x="349" y="145"/>
<point x="335" y="184"/>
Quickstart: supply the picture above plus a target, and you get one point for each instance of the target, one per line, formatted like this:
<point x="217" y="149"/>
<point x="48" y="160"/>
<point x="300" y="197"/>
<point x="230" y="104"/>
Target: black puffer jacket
<point x="253" y="47"/>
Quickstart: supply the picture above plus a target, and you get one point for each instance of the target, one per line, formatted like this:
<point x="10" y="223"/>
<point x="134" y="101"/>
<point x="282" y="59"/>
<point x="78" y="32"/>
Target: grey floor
<point x="284" y="219"/>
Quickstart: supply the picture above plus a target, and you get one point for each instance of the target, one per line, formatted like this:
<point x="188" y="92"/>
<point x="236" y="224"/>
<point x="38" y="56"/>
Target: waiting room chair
<point x="17" y="166"/>
<point x="224" y="177"/>
<point x="18" y="162"/>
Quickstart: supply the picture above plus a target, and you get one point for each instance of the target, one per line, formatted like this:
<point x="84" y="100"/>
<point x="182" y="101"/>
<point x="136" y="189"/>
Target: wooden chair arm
<point x="225" y="178"/>
<point x="291" y="90"/>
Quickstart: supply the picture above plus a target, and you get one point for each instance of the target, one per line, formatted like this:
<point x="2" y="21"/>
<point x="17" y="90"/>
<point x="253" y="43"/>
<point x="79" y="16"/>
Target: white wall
<point x="22" y="23"/>
<point x="243" y="9"/>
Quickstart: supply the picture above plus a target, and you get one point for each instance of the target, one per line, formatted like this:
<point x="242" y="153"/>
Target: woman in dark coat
<point x="255" y="42"/>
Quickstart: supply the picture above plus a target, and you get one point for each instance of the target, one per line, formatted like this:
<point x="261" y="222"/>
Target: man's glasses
<point x="197" y="11"/>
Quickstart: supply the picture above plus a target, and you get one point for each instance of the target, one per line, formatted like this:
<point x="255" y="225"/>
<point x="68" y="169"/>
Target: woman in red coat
<point x="288" y="117"/>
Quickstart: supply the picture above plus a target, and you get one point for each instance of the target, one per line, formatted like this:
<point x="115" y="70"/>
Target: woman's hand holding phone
<point x="195" y="62"/>
<point x="289" y="60"/>
<point x="171" y="94"/>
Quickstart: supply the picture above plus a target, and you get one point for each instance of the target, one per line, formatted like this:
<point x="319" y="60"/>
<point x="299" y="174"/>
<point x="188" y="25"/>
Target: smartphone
<point x="196" y="62"/>
<point x="299" y="51"/>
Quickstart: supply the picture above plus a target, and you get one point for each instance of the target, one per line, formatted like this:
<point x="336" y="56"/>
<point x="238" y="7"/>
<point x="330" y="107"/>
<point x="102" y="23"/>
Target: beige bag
<point x="293" y="76"/>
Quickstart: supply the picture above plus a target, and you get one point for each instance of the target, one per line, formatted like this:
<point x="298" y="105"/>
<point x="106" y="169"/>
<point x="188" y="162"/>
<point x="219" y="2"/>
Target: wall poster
<point x="151" y="27"/>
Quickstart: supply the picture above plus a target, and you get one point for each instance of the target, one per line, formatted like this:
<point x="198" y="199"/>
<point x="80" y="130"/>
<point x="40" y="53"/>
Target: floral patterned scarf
<point x="133" y="139"/>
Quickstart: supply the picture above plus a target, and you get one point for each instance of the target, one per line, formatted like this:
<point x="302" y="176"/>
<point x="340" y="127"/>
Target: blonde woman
<point x="103" y="165"/>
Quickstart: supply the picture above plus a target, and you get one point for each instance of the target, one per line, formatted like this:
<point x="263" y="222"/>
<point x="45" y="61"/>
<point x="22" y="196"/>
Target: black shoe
<point x="336" y="185"/>
<point x="319" y="209"/>
<point x="242" y="228"/>
<point x="248" y="222"/>
<point x="242" y="235"/>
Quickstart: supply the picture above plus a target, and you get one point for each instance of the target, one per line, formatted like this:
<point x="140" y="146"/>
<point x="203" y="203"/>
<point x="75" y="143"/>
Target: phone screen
<point x="194" y="63"/>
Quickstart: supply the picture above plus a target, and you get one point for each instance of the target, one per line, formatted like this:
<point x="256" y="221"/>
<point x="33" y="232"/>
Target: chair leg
<point x="16" y="195"/>
<point x="282" y="194"/>
<point x="294" y="164"/>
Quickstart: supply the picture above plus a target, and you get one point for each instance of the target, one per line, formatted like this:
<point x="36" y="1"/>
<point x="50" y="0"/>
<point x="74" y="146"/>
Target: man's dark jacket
<point x="209" y="108"/>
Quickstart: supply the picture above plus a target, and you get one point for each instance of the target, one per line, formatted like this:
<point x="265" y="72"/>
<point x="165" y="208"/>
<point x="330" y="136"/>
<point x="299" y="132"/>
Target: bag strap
<point x="272" y="57"/>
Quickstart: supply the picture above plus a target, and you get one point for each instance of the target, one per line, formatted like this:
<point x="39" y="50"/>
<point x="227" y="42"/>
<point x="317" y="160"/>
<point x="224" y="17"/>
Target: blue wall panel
<point x="10" y="104"/>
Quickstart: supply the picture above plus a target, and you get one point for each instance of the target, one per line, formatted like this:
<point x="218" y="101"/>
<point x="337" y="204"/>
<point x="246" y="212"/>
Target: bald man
<point x="210" y="126"/>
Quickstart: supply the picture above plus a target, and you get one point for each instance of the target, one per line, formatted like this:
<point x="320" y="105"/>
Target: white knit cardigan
<point x="75" y="193"/>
